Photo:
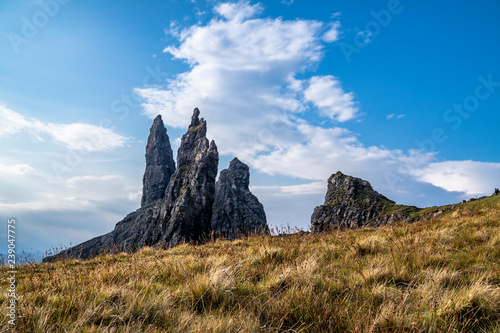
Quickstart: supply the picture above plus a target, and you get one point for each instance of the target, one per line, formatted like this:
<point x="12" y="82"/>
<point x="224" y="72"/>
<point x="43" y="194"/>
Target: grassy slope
<point x="440" y="275"/>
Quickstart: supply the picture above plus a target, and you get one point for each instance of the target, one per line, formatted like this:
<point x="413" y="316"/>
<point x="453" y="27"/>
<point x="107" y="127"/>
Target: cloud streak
<point x="76" y="136"/>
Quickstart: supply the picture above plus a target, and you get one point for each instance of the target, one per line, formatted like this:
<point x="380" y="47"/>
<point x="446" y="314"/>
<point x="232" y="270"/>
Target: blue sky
<point x="405" y="94"/>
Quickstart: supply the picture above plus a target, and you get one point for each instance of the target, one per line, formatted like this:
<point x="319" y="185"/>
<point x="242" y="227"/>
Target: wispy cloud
<point x="77" y="136"/>
<point x="332" y="34"/>
<point x="471" y="177"/>
<point x="393" y="115"/>
<point x="238" y="11"/>
<point x="16" y="169"/>
<point x="326" y="93"/>
<point x="293" y="190"/>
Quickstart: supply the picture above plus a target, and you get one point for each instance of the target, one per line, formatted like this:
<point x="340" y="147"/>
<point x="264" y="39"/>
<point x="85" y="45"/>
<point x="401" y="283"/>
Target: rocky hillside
<point x="177" y="204"/>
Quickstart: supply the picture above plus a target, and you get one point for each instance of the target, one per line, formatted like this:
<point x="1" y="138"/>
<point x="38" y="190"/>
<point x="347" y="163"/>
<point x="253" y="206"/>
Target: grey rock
<point x="160" y="164"/>
<point x="187" y="208"/>
<point x="236" y="211"/>
<point x="352" y="203"/>
<point x="436" y="214"/>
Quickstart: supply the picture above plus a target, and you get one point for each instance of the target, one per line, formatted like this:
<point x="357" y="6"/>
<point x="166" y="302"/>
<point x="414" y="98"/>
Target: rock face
<point x="160" y="164"/>
<point x="177" y="204"/>
<point x="236" y="211"/>
<point x="352" y="203"/>
<point x="187" y="208"/>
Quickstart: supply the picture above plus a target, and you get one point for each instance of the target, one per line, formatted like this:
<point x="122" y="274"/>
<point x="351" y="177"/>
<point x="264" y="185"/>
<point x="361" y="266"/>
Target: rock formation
<point x="160" y="164"/>
<point x="236" y="211"/>
<point x="352" y="202"/>
<point x="177" y="204"/>
<point x="187" y="209"/>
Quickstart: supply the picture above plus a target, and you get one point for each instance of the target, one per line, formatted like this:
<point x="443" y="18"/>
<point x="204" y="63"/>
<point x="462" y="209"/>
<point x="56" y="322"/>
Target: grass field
<point x="439" y="275"/>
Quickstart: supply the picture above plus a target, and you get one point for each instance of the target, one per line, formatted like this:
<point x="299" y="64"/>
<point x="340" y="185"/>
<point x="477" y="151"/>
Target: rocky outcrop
<point x="187" y="209"/>
<point x="352" y="203"/>
<point x="160" y="164"/>
<point x="236" y="211"/>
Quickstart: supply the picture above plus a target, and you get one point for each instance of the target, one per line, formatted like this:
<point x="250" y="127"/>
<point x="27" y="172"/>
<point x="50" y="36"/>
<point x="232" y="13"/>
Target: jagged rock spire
<point x="236" y="210"/>
<point x="160" y="164"/>
<point x="187" y="209"/>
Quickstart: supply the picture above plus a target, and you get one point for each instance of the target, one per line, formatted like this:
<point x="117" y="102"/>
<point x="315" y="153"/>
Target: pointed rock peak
<point x="212" y="145"/>
<point x="236" y="164"/>
<point x="160" y="163"/>
<point x="239" y="173"/>
<point x="158" y="120"/>
<point x="236" y="210"/>
<point x="195" y="120"/>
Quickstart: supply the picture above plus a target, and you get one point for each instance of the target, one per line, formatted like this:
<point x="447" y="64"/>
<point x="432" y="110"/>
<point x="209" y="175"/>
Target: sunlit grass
<point x="440" y="275"/>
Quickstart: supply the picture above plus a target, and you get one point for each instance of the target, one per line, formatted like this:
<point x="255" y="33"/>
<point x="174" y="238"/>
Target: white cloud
<point x="11" y="122"/>
<point x="48" y="201"/>
<point x="85" y="137"/>
<point x="366" y="34"/>
<point x="392" y="115"/>
<point x="471" y="177"/>
<point x="77" y="136"/>
<point x="243" y="76"/>
<point x="293" y="190"/>
<point x="79" y="193"/>
<point x="82" y="180"/>
<point x="238" y="11"/>
<point x="332" y="34"/>
<point x="16" y="169"/>
<point x="326" y="93"/>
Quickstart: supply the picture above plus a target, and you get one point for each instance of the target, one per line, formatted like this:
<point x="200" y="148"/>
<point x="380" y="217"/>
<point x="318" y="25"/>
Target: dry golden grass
<point x="441" y="275"/>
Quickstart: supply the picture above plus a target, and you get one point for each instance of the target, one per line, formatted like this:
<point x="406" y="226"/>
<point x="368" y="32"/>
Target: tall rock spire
<point x="160" y="164"/>
<point x="187" y="208"/>
<point x="236" y="210"/>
